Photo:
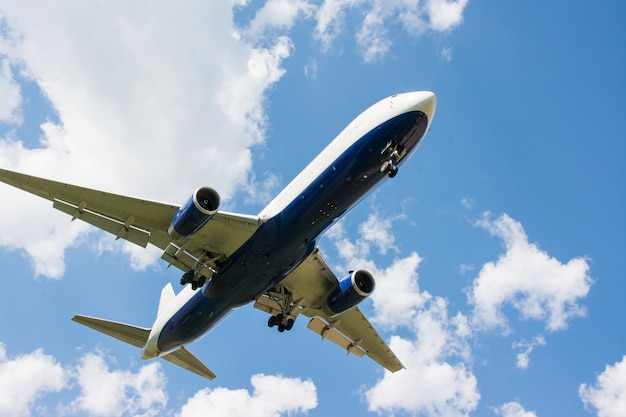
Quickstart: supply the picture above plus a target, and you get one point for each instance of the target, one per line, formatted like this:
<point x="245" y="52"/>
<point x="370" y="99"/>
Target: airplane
<point x="272" y="259"/>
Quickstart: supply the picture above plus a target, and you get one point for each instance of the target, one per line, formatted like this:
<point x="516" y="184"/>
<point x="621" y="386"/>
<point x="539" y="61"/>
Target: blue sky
<point x="498" y="249"/>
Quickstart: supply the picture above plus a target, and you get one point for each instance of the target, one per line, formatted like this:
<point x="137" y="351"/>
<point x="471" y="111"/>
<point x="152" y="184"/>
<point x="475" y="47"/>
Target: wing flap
<point x="330" y="333"/>
<point x="354" y="325"/>
<point x="120" y="230"/>
<point x="185" y="359"/>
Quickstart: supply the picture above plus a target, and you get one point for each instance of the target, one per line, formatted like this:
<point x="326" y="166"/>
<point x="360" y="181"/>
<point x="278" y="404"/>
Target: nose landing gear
<point x="389" y="168"/>
<point x="394" y="152"/>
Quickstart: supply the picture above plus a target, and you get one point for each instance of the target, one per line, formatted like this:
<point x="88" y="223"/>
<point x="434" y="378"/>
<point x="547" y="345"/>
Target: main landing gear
<point x="194" y="278"/>
<point x="280" y="321"/>
<point x="279" y="303"/>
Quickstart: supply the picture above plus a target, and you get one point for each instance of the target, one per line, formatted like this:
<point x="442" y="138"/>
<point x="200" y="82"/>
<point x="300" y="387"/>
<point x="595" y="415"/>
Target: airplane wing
<point x="142" y="221"/>
<point x="306" y="289"/>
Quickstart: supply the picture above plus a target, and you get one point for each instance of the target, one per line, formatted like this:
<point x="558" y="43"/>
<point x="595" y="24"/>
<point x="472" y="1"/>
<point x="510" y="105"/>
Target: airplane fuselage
<point x="335" y="181"/>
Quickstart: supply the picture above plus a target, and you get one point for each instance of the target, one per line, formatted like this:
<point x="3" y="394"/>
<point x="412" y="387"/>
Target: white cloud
<point x="115" y="393"/>
<point x="149" y="104"/>
<point x="397" y="296"/>
<point x="25" y="379"/>
<point x="436" y="381"/>
<point x="278" y="14"/>
<point x="445" y="15"/>
<point x="608" y="395"/>
<point x="446" y="54"/>
<point x="538" y="286"/>
<point x="525" y="349"/>
<point x="11" y="102"/>
<point x="413" y="17"/>
<point x="433" y="383"/>
<point x="271" y="396"/>
<point x="514" y="409"/>
<point x="467" y="202"/>
<point x="330" y="17"/>
<point x="377" y="230"/>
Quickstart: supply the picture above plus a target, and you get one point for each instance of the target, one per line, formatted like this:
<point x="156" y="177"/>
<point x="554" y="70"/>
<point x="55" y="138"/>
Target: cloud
<point x="445" y="15"/>
<point x="271" y="396"/>
<point x="513" y="409"/>
<point x="278" y="15"/>
<point x="11" y="96"/>
<point x="434" y="383"/>
<point x="397" y="296"/>
<point x="535" y="284"/>
<point x="525" y="349"/>
<point x="377" y="230"/>
<point x="437" y="380"/>
<point x="372" y="36"/>
<point x="115" y="393"/>
<point x="25" y="379"/>
<point x="608" y="394"/>
<point x="148" y="104"/>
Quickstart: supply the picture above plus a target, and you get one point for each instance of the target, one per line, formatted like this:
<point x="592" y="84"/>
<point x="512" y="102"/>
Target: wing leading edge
<point x="140" y="221"/>
<point x="309" y="285"/>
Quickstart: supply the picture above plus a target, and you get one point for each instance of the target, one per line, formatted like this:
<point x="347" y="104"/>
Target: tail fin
<point x="138" y="336"/>
<point x="167" y="295"/>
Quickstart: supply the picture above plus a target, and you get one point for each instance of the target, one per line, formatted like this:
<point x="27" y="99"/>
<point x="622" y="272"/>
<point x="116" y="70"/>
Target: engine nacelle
<point x="352" y="289"/>
<point x="195" y="213"/>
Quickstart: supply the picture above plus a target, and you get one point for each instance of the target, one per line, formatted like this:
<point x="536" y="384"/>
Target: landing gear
<point x="201" y="272"/>
<point x="390" y="168"/>
<point x="394" y="152"/>
<point x="279" y="320"/>
<point x="278" y="301"/>
<point x="194" y="278"/>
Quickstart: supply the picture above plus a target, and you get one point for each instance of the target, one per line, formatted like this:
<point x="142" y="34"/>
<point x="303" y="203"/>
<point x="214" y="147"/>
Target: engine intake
<point x="195" y="213"/>
<point x="352" y="289"/>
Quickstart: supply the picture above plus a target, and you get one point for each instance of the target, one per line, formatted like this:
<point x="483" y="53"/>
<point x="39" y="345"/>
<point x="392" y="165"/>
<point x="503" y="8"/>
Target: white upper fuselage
<point x="384" y="110"/>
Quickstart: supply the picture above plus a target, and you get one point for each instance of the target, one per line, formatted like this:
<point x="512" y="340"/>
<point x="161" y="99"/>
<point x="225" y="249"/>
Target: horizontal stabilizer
<point x="136" y="336"/>
<point x="185" y="359"/>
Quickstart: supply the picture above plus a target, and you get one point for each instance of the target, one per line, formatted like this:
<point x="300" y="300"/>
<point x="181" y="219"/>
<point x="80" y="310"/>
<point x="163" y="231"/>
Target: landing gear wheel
<point x="289" y="324"/>
<point x="271" y="322"/>
<point x="384" y="168"/>
<point x="390" y="168"/>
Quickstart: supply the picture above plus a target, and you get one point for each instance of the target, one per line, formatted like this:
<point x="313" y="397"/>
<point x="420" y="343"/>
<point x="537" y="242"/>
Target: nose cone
<point x="424" y="101"/>
<point x="428" y="104"/>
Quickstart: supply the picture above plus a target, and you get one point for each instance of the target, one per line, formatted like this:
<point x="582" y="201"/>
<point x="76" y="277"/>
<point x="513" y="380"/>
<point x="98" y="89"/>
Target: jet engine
<point x="352" y="289"/>
<point x="195" y="213"/>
